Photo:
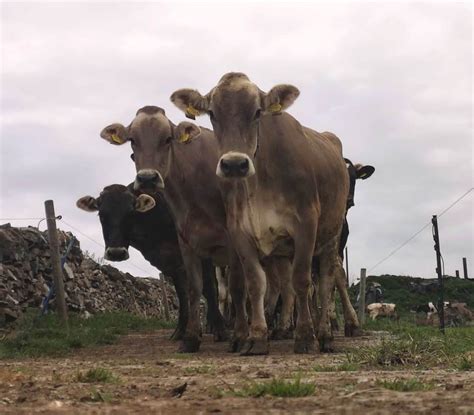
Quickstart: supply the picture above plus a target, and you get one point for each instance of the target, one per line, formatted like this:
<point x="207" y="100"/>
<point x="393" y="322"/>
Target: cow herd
<point x="261" y="197"/>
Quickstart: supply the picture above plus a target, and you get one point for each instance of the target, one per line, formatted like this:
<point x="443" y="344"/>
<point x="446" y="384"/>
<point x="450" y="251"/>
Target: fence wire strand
<point x="421" y="230"/>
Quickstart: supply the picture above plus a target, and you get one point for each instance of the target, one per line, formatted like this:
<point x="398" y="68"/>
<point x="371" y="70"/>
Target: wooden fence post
<point x="464" y="267"/>
<point x="363" y="273"/>
<point x="457" y="273"/>
<point x="56" y="261"/>
<point x="165" y="297"/>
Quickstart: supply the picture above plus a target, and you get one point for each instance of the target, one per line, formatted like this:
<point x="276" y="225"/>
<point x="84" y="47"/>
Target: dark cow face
<point x="235" y="107"/>
<point x="356" y="171"/>
<point x="151" y="135"/>
<point x="117" y="208"/>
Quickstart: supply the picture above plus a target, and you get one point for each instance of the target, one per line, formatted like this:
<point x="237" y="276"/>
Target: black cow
<point x="129" y="219"/>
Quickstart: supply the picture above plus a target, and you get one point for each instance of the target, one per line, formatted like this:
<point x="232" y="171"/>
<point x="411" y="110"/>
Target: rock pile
<point x="25" y="278"/>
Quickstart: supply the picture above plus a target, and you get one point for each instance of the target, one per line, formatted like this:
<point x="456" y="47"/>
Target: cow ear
<point x="364" y="172"/>
<point x="115" y="134"/>
<point x="191" y="102"/>
<point x="88" y="203"/>
<point x="186" y="131"/>
<point x="279" y="98"/>
<point x="144" y="203"/>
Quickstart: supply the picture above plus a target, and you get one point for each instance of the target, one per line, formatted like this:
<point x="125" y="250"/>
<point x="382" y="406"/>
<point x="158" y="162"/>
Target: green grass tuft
<point x="277" y="387"/>
<point x="45" y="336"/>
<point x="97" y="375"/>
<point x="343" y="367"/>
<point x="405" y="385"/>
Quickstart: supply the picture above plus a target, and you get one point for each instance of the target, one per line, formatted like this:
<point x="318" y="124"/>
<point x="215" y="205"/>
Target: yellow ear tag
<point x="192" y="111"/>
<point x="275" y="107"/>
<point x="116" y="139"/>
<point x="184" y="138"/>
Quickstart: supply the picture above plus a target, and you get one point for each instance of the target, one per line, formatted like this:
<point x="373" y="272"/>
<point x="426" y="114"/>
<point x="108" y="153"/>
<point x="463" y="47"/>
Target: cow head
<point x="356" y="171"/>
<point x="117" y="207"/>
<point x="152" y="136"/>
<point x="235" y="107"/>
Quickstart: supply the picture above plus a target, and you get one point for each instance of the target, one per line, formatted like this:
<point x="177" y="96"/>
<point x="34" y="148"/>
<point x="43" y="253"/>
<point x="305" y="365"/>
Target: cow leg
<point x="272" y="294"/>
<point x="180" y="281"/>
<point x="193" y="265"/>
<point x="302" y="262"/>
<point x="325" y="336"/>
<point x="282" y="267"/>
<point x="239" y="299"/>
<point x="214" y="316"/>
<point x="255" y="281"/>
<point x="332" y="312"/>
<point x="222" y="290"/>
<point x="351" y="322"/>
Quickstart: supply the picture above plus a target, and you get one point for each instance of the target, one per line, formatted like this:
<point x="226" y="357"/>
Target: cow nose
<point x="116" y="254"/>
<point x="147" y="177"/>
<point x="237" y="166"/>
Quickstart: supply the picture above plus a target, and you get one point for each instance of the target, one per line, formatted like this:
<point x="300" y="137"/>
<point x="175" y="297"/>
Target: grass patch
<point x="97" y="375"/>
<point x="405" y="385"/>
<point x="465" y="363"/>
<point x="45" y="336"/>
<point x="343" y="367"/>
<point x="408" y="345"/>
<point x="277" y="387"/>
<point x="199" y="370"/>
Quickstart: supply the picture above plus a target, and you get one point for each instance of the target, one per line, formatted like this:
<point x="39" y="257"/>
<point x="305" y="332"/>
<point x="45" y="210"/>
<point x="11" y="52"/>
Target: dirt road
<point x="148" y="370"/>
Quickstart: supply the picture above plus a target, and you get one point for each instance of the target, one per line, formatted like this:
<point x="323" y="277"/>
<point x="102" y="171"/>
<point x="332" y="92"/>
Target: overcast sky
<point x="393" y="81"/>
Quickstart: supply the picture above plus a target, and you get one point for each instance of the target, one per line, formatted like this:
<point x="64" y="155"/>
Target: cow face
<point x="117" y="208"/>
<point x="235" y="107"/>
<point x="356" y="171"/>
<point x="151" y="135"/>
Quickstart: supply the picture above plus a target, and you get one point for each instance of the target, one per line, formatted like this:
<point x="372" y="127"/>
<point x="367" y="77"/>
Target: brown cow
<point x="284" y="191"/>
<point x="187" y="173"/>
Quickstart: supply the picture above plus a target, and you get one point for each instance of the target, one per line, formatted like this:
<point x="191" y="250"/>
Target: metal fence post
<point x="439" y="271"/>
<point x="363" y="272"/>
<point x="464" y="267"/>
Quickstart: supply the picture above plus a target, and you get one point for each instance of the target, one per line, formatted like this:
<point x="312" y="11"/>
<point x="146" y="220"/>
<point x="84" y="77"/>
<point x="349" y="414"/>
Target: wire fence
<point x="75" y="229"/>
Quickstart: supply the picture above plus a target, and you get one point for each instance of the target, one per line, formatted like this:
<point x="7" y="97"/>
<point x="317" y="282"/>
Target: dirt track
<point x="149" y="369"/>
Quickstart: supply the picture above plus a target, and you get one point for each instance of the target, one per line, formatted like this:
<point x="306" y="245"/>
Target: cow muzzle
<point x="234" y="165"/>
<point x="148" y="179"/>
<point x="116" y="254"/>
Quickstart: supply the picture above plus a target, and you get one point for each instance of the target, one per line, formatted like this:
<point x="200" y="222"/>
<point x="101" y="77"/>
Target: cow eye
<point x="257" y="114"/>
<point x="132" y="156"/>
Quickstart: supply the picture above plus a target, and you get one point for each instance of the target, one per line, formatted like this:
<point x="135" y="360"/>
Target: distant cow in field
<point x="382" y="310"/>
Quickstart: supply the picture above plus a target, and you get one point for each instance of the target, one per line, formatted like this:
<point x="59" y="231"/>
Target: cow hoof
<point x="304" y="346"/>
<point x="221" y="336"/>
<point x="282" y="334"/>
<point x="189" y="345"/>
<point x="177" y="335"/>
<point x="255" y="347"/>
<point x="352" y="331"/>
<point x="236" y="345"/>
<point x="326" y="345"/>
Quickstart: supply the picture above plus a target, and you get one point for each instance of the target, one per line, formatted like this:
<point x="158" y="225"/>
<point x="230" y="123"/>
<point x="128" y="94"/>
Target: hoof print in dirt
<point x="282" y="334"/>
<point x="305" y="346"/>
<point x="255" y="347"/>
<point x="189" y="345"/>
<point x="352" y="331"/>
